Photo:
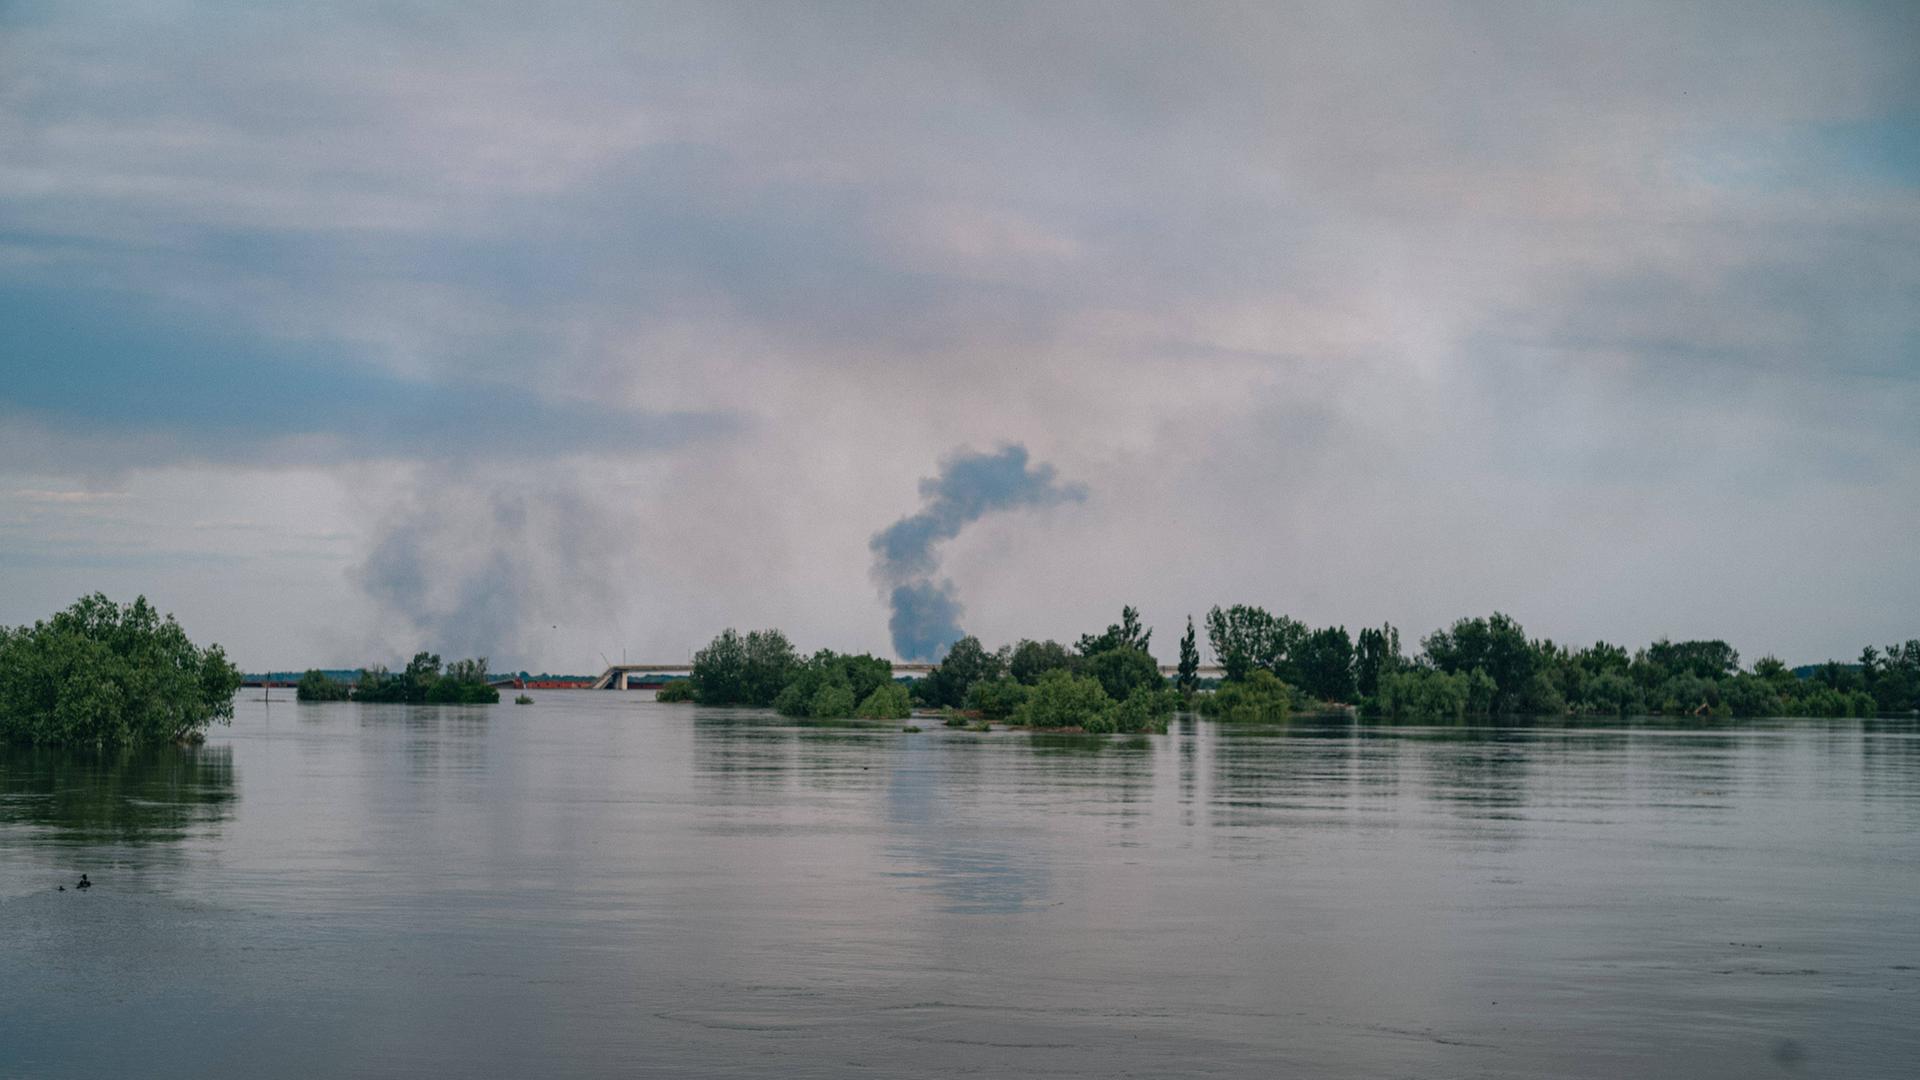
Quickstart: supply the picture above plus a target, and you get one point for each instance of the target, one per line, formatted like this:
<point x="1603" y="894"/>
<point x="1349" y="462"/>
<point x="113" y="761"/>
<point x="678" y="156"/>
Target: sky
<point x="561" y="334"/>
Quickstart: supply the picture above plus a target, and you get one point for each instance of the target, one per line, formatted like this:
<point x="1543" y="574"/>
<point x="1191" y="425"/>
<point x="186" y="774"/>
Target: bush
<point x="1749" y="695"/>
<point x="1424" y="694"/>
<point x="522" y="699"/>
<point x="737" y="670"/>
<point x="952" y="717"/>
<point x="462" y="692"/>
<point x="316" y="686"/>
<point x="678" y="691"/>
<point x="887" y="702"/>
<point x="1684" y="695"/>
<point x="1540" y="697"/>
<point x="1826" y="702"/>
<point x="1032" y="659"/>
<point x="1482" y="692"/>
<point x="1613" y="694"/>
<point x="860" y="676"/>
<point x="1146" y="709"/>
<point x="966" y="663"/>
<point x="831" y="702"/>
<point x="1259" y="698"/>
<point x="1121" y="671"/>
<point x="105" y="674"/>
<point x="1061" y="699"/>
<point x="996" y="699"/>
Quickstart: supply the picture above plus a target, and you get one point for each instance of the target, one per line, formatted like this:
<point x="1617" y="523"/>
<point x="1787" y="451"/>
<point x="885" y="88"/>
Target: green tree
<point x="1260" y="698"/>
<point x="996" y="699"/>
<point x="1495" y="646"/>
<point x="1120" y="671"/>
<point x="464" y="682"/>
<point x="1248" y="638"/>
<point x="1423" y="694"/>
<point x="422" y="672"/>
<point x="832" y="702"/>
<point x="770" y="663"/>
<point x="675" y="691"/>
<point x="316" y="686"/>
<point x="1032" y="659"/>
<point x="1896" y="678"/>
<point x="887" y="702"/>
<point x="1062" y="699"/>
<point x="1325" y="663"/>
<point x="1146" y="709"/>
<point x="1701" y="659"/>
<point x="966" y="662"/>
<point x="1125" y="634"/>
<point x="1611" y="693"/>
<point x="1601" y="658"/>
<point x="860" y="675"/>
<point x="101" y="673"/>
<point x="1376" y="653"/>
<point x="743" y="670"/>
<point x="1189" y="678"/>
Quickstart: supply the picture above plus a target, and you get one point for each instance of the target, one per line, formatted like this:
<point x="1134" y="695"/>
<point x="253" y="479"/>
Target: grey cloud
<point x="1419" y="254"/>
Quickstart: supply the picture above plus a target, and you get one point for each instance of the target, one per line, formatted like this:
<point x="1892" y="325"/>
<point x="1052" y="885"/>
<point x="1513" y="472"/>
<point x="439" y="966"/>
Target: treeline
<point x="425" y="681"/>
<point x="1489" y="667"/>
<point x="1274" y="665"/>
<point x="107" y="674"/>
<point x="1107" y="682"/>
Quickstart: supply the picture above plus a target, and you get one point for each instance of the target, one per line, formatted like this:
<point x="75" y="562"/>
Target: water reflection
<point x="152" y="795"/>
<point x="594" y="886"/>
<point x="971" y="870"/>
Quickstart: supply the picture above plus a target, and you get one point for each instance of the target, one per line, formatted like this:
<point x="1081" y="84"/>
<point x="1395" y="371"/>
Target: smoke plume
<point x="925" y="610"/>
<point x="470" y="566"/>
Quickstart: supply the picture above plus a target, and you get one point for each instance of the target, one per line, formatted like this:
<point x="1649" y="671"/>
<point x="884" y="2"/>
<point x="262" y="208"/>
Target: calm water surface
<point x="598" y="885"/>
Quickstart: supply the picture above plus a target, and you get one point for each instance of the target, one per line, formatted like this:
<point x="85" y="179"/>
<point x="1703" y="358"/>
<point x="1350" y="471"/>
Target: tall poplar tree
<point x="1189" y="678"/>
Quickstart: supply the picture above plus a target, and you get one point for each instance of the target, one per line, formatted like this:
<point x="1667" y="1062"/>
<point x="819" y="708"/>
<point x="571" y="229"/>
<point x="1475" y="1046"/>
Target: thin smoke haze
<point x="925" y="609"/>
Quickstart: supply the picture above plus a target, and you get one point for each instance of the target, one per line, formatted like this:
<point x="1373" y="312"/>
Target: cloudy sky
<point x="560" y="333"/>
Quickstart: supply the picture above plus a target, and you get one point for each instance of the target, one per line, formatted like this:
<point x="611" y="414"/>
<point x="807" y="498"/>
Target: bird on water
<point x="84" y="883"/>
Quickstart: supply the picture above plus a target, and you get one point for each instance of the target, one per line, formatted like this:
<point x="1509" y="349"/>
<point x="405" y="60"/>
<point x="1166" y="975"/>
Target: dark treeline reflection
<point x="145" y="795"/>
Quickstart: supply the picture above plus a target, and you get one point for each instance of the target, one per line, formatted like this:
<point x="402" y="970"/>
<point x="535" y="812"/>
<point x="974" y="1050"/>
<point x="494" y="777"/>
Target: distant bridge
<point x="634" y="676"/>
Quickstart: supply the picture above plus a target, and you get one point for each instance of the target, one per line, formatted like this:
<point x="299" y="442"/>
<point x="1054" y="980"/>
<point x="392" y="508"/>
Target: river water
<point x="599" y="885"/>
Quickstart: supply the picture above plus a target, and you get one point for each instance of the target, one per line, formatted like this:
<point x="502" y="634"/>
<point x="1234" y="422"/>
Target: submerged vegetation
<point x="1275" y="666"/>
<point x="107" y="674"/>
<point x="1489" y="667"/>
<point x="762" y="669"/>
<point x="1107" y="682"/>
<point x="675" y="690"/>
<point x="317" y="685"/>
<point x="424" y="682"/>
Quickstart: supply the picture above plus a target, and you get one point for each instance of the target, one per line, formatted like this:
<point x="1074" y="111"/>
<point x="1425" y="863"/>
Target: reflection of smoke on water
<point x="976" y="873"/>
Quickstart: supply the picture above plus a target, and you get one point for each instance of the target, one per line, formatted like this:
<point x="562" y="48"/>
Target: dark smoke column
<point x="926" y="612"/>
